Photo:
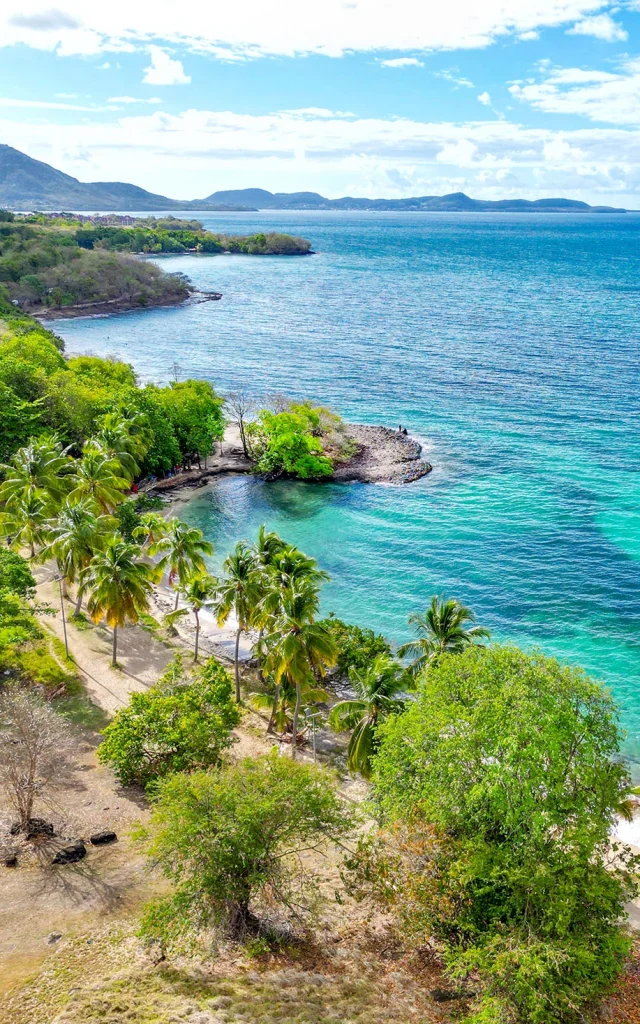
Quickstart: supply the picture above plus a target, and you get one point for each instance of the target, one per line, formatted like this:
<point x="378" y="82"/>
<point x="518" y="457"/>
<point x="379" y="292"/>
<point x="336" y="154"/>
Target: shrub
<point x="231" y="844"/>
<point x="357" y="647"/>
<point x="499" y="787"/>
<point x="180" y="727"/>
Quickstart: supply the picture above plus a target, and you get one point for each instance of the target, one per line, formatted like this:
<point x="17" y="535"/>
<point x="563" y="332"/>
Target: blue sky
<point x="371" y="97"/>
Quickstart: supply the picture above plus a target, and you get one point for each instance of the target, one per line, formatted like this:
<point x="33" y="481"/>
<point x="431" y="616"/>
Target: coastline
<point x="111" y="306"/>
<point x="383" y="456"/>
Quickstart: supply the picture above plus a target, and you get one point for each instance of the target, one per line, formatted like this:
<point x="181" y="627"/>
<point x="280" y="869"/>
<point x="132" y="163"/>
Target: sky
<point x="378" y="98"/>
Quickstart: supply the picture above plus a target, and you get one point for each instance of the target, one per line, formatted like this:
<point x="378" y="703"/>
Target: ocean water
<point x="508" y="344"/>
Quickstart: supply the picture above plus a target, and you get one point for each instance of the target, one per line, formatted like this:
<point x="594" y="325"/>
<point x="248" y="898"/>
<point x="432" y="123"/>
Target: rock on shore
<point x="384" y="456"/>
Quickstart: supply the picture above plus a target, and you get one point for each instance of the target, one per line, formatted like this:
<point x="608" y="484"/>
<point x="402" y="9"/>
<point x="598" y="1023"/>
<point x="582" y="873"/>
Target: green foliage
<point x="503" y="780"/>
<point x="447" y="626"/>
<point x="379" y="689"/>
<point x="172" y="728"/>
<point x="356" y="647"/>
<point x="15" y="574"/>
<point x="286" y="443"/>
<point x="195" y="412"/>
<point x="230" y="842"/>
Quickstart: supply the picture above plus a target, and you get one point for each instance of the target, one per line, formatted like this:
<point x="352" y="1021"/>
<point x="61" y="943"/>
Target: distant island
<point x="61" y="266"/>
<point x="27" y="184"/>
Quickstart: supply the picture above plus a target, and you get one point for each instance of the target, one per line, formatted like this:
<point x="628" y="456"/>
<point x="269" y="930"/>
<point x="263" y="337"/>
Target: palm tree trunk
<point x="175" y="607"/>
<point x="274" y="710"/>
<point x="33" y="550"/>
<point x="115" y="647"/>
<point x="296" y="712"/>
<point x="237" y="665"/>
<point x="197" y="615"/>
<point x="78" y="603"/>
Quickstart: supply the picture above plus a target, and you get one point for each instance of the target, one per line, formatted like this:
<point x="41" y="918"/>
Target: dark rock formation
<point x="70" y="854"/>
<point x="103" y="838"/>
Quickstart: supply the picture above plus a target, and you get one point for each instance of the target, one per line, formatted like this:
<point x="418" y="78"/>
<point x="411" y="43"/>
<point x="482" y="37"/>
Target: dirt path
<point x="141" y="657"/>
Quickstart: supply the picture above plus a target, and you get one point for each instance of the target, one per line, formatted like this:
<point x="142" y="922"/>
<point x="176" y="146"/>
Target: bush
<point x="284" y="443"/>
<point x="179" y="727"/>
<point x="231" y="844"/>
<point x="499" y="786"/>
<point x="15" y="574"/>
<point x="357" y="647"/>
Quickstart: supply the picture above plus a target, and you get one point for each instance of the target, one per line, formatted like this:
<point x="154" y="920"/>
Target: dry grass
<point x="110" y="979"/>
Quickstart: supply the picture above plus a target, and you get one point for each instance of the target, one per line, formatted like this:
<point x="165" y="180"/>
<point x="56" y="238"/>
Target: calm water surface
<point x="509" y="344"/>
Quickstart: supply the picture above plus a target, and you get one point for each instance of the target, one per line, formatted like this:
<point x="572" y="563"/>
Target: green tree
<point x="198" y="590"/>
<point x="378" y="693"/>
<point x="445" y="627"/>
<point x="73" y="538"/>
<point x="181" y="727"/>
<point x="283" y="443"/>
<point x="119" y="444"/>
<point x="119" y="585"/>
<point x="504" y="779"/>
<point x="15" y="574"/>
<point x="231" y="842"/>
<point x="152" y="527"/>
<point x="239" y="592"/>
<point x="299" y="649"/>
<point x="182" y="549"/>
<point x="41" y="468"/>
<point x="356" y="647"/>
<point x="97" y="477"/>
<point x="25" y="520"/>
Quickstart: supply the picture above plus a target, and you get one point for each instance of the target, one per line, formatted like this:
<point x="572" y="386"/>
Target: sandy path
<point x="141" y="657"/>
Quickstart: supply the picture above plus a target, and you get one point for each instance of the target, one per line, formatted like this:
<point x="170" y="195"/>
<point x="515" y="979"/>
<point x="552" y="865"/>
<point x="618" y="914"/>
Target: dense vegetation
<point x="48" y="263"/>
<point x="495" y="775"/>
<point x="499" y="787"/>
<point x="41" y="393"/>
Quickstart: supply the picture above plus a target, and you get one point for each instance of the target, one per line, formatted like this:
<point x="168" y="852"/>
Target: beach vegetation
<point x="498" y="788"/>
<point x="447" y="626"/>
<point x="118" y="583"/>
<point x="239" y="592"/>
<point x="231" y="843"/>
<point x="182" y="549"/>
<point x="198" y="590"/>
<point x="357" y="646"/>
<point x="379" y="691"/>
<point x="177" y="726"/>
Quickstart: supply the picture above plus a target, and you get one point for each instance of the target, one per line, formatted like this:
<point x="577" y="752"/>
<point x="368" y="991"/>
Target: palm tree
<point x="40" y="467"/>
<point x="182" y="549"/>
<point x="239" y="591"/>
<point x="378" y="690"/>
<point x="151" y="527"/>
<point x="300" y="648"/>
<point x="443" y="628"/>
<point x="98" y="477"/>
<point x="283" y="714"/>
<point x="118" y="443"/>
<point x="74" y="536"/>
<point x="25" y="519"/>
<point x="198" y="590"/>
<point x="119" y="584"/>
<point x="268" y="545"/>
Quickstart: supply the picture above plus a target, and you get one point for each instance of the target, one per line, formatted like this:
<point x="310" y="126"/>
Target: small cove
<point x="508" y="345"/>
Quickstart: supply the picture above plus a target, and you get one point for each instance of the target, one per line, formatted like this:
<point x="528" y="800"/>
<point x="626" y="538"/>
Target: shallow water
<point x="509" y="344"/>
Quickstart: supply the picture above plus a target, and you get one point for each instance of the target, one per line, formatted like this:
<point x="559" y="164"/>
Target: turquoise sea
<point x="508" y="344"/>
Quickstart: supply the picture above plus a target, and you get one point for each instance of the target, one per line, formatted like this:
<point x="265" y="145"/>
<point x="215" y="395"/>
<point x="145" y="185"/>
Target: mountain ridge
<point x="29" y="184"/>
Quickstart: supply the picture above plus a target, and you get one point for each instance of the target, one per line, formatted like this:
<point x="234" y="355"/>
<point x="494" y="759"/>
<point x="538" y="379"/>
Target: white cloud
<point x="602" y="26"/>
<point x="251" y="28"/>
<point x="528" y="36"/>
<point x="193" y="153"/>
<point x="485" y="99"/>
<point x="8" y="101"/>
<point x="453" y="75"/>
<point x="402" y="62"/>
<point x="133" y="99"/>
<point x="597" y="95"/>
<point x="163" y="70"/>
<point x="105" y="66"/>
